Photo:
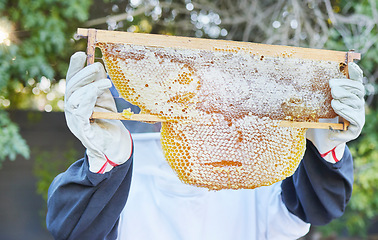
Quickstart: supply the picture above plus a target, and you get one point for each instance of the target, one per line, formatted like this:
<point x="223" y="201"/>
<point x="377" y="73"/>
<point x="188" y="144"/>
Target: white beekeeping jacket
<point x="161" y="207"/>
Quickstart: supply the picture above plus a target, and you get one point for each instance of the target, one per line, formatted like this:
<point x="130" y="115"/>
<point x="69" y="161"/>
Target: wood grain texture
<point x="153" y="118"/>
<point x="164" y="41"/>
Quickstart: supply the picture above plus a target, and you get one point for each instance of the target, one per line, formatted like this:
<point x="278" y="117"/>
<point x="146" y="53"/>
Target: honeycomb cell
<point x="227" y="105"/>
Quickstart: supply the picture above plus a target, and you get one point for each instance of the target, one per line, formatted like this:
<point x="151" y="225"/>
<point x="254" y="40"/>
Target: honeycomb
<point x="223" y="108"/>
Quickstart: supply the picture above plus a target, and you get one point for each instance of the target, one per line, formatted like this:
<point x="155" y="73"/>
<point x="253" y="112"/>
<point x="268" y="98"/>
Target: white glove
<point x="348" y="102"/>
<point x="108" y="142"/>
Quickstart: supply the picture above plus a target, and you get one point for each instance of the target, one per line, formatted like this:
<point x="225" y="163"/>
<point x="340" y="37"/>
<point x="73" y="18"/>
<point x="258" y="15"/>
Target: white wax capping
<point x="226" y="107"/>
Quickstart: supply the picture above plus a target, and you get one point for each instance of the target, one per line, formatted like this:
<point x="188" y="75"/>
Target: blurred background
<point x="38" y="37"/>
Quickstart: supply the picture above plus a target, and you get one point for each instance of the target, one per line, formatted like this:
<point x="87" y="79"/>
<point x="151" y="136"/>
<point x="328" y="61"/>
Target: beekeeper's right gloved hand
<point x="108" y="142"/>
<point x="348" y="102"/>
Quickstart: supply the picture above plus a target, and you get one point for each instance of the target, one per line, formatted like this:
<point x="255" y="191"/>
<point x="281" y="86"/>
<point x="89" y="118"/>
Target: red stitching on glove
<point x="102" y="170"/>
<point x="333" y="154"/>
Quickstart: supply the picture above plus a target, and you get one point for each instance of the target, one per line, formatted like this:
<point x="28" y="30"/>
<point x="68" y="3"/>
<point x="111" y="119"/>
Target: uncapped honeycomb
<point x="222" y="109"/>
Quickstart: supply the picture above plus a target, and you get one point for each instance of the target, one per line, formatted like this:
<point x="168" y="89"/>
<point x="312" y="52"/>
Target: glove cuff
<point x="99" y="164"/>
<point x="330" y="150"/>
<point x="335" y="154"/>
<point x="108" y="165"/>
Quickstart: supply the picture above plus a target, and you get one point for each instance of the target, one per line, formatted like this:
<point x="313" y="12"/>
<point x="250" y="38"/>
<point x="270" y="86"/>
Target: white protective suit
<point x="161" y="207"/>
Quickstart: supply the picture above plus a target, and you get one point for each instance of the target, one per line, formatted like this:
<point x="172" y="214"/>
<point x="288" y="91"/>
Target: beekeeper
<point x="108" y="195"/>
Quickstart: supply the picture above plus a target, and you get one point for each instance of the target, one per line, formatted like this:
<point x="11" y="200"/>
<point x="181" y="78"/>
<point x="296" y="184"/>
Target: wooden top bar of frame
<point x="164" y="41"/>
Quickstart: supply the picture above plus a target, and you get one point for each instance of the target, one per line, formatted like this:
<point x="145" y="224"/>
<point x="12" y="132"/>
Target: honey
<point x="226" y="106"/>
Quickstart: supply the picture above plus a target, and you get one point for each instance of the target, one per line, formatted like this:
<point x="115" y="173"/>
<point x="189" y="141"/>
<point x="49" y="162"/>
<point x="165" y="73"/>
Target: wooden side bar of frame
<point x="154" y="40"/>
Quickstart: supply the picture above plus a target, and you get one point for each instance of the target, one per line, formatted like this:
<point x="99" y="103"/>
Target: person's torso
<point x="160" y="206"/>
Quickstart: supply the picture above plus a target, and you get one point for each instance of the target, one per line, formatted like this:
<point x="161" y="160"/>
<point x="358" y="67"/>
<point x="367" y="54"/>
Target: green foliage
<point x="40" y="43"/>
<point x="11" y="143"/>
<point x="41" y="37"/>
<point x="48" y="164"/>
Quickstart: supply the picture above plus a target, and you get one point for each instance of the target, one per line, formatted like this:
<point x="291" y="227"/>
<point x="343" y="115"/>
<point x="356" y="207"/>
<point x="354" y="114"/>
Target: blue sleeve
<point x="319" y="191"/>
<point x="86" y="205"/>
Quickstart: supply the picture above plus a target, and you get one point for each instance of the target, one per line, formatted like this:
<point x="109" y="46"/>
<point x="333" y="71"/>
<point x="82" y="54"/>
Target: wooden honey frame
<point x="161" y="41"/>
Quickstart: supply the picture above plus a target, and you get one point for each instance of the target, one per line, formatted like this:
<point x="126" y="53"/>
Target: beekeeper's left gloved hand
<point x="348" y="102"/>
<point x="108" y="142"/>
